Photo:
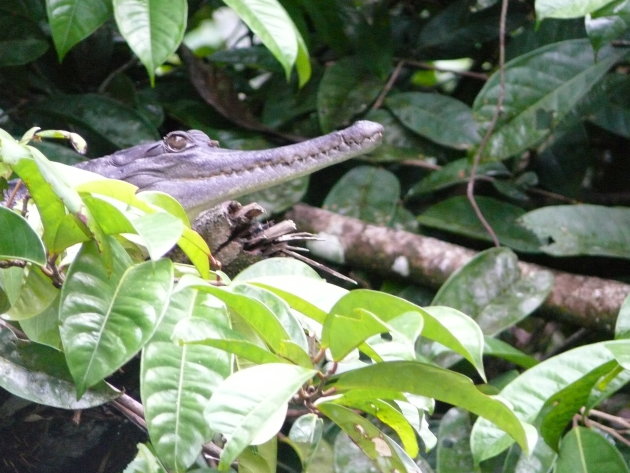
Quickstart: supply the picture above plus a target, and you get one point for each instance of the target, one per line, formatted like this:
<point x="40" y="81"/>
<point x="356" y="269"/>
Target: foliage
<point x="277" y="369"/>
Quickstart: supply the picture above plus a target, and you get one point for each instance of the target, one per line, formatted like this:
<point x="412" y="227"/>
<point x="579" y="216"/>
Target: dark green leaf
<point x="366" y="192"/>
<point x="153" y="29"/>
<point x="542" y="88"/>
<point x="581" y="229"/>
<point x="492" y="290"/>
<point x="440" y="118"/>
<point x="457" y="215"/>
<point x="73" y="20"/>
<point x="21" y="41"/>
<point x="44" y="327"/>
<point x="39" y="374"/>
<point x="453" y="451"/>
<point x="346" y="90"/>
<point x="18" y="240"/>
<point x="585" y="451"/>
<point x="608" y="23"/>
<point x="505" y="351"/>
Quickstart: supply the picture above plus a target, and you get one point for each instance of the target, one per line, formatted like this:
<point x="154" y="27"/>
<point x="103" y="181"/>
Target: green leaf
<point x="441" y="384"/>
<point x="21" y="40"/>
<point x="492" y="290"/>
<point x="245" y="416"/>
<point x="581" y="229"/>
<point x="456" y="215"/>
<point x="39" y="374"/>
<point x="346" y="89"/>
<point x="152" y="28"/>
<point x="271" y="23"/>
<point x="453" y="173"/>
<point x="29" y="291"/>
<point x="542" y="88"/>
<point x="305" y="436"/>
<point x="177" y="381"/>
<point x="374" y="443"/>
<point x="18" y="240"/>
<point x="586" y="451"/>
<point x="500" y="349"/>
<point x="107" y="316"/>
<point x="453" y="451"/>
<point x="440" y="118"/>
<point x="614" y="114"/>
<point x="366" y="192"/>
<point x="567" y="8"/>
<point x="549" y="377"/>
<point x="608" y="23"/>
<point x="276" y="267"/>
<point x="73" y="20"/>
<point x="622" y="325"/>
<point x="44" y="327"/>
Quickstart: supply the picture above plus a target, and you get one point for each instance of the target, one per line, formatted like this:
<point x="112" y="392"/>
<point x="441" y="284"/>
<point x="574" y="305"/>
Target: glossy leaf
<point x="498" y="348"/>
<point x="144" y="462"/>
<point x="614" y="114"/>
<point x="346" y="89"/>
<point x="177" y="381"/>
<point x="245" y="416"/>
<point x="549" y="377"/>
<point x="152" y="28"/>
<point x="39" y="374"/>
<point x="29" y="291"/>
<point x="305" y="436"/>
<point x="44" y="327"/>
<point x="567" y="8"/>
<point x="456" y="215"/>
<point x="441" y="384"/>
<point x="18" y="240"/>
<point x="542" y="88"/>
<point x="271" y="23"/>
<point x="581" y="229"/>
<point x="276" y="267"/>
<point x="608" y="22"/>
<point x="453" y="451"/>
<point x="492" y="290"/>
<point x="440" y="118"/>
<point x="73" y="20"/>
<point x="585" y="451"/>
<point x="367" y="193"/>
<point x="107" y="316"/>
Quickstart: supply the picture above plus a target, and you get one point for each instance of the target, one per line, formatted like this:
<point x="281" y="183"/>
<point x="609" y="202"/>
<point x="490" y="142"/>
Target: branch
<point x="582" y="300"/>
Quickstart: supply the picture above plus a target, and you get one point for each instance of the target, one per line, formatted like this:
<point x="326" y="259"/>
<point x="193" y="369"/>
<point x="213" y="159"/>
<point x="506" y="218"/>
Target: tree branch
<point x="582" y="300"/>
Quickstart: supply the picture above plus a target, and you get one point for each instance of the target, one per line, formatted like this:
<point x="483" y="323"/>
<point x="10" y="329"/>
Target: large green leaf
<point x="252" y="416"/>
<point x="581" y="229"/>
<point x="346" y="89"/>
<point x="492" y="290"/>
<point x="177" y="381"/>
<point x="18" y="240"/>
<point x="366" y="192"/>
<point x="441" y="384"/>
<point x="144" y="462"/>
<point x="271" y="23"/>
<point x="39" y="374"/>
<point x="107" y="316"/>
<point x="305" y="437"/>
<point x="549" y="377"/>
<point x="608" y="23"/>
<point x="72" y="20"/>
<point x="440" y="118"/>
<point x="457" y="215"/>
<point x="567" y="8"/>
<point x="542" y="88"/>
<point x="21" y="40"/>
<point x="28" y="290"/>
<point x="152" y="28"/>
<point x="586" y="451"/>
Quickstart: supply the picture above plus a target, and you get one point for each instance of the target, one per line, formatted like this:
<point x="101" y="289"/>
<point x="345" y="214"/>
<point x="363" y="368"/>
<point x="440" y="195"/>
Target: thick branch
<point x="583" y="300"/>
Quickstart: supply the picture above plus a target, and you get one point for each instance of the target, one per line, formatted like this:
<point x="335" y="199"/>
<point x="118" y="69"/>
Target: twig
<point x="14" y="192"/>
<point x="608" y="430"/>
<point x="432" y="67"/>
<point x="623" y="422"/>
<point x="388" y="86"/>
<point x="470" y="188"/>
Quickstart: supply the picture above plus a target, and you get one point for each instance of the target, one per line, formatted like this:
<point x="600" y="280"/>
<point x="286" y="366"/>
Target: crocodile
<point x="191" y="167"/>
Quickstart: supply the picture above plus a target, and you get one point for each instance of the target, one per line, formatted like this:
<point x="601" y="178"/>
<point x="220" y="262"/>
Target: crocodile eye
<point x="176" y="142"/>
